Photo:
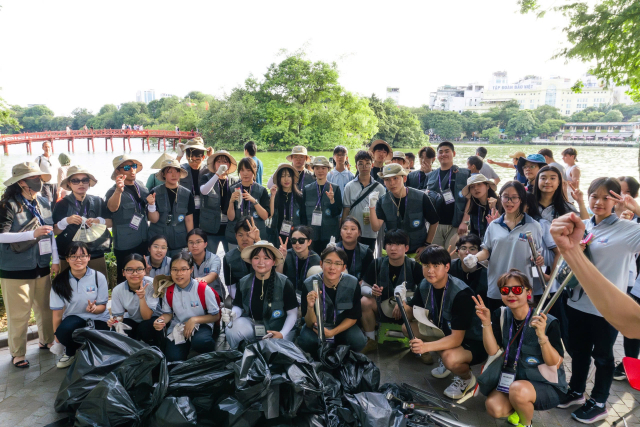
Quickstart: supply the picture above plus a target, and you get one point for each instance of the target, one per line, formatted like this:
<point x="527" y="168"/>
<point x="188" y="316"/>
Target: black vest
<point x="187" y="182"/>
<point x="330" y="224"/>
<point x="237" y="266"/>
<point x="125" y="237"/>
<point x="257" y="191"/>
<point x="275" y="216"/>
<point x="417" y="179"/>
<point x="307" y="178"/>
<point x="344" y="297"/>
<point x="456" y="190"/>
<point x="273" y="314"/>
<point x="413" y="222"/>
<point x="292" y="273"/>
<point x="406" y="274"/>
<point x="356" y="265"/>
<point x="174" y="230"/>
<point x="97" y="248"/>
<point x="211" y="208"/>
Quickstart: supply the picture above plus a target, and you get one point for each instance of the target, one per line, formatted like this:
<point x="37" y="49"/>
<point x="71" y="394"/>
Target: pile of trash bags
<point x="117" y="381"/>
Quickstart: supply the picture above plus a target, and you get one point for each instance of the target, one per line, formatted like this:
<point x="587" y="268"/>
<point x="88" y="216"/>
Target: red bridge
<point x="89" y="135"/>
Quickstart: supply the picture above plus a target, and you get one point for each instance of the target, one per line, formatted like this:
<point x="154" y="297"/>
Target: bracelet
<point x="490" y="323"/>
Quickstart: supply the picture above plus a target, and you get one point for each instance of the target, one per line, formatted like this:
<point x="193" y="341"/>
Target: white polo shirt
<point x="164" y="267"/>
<point x="186" y="304"/>
<point x="92" y="286"/>
<point x="125" y="302"/>
<point x="211" y="264"/>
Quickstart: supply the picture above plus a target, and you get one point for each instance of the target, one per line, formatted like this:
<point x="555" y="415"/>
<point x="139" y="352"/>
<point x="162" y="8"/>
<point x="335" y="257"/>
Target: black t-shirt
<point x="257" y="304"/>
<point x="283" y="206"/>
<point x="228" y="279"/>
<point x="395" y="273"/>
<point x="191" y="207"/>
<point x="82" y="209"/>
<point x="374" y="174"/>
<point x="447" y="210"/>
<point x="367" y="259"/>
<point x="430" y="214"/>
<point x="462" y="311"/>
<point x="246" y="205"/>
<point x="354" y="312"/>
<point x="129" y="191"/>
<point x="195" y="180"/>
<point x="476" y="280"/>
<point x="553" y="332"/>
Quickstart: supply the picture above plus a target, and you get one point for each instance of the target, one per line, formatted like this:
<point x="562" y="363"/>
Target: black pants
<point x="141" y="249"/>
<point x="145" y="332"/>
<point x="64" y="333"/>
<point x="371" y="242"/>
<point x="202" y="341"/>
<point x="559" y="311"/>
<point x="631" y="346"/>
<point x="591" y="336"/>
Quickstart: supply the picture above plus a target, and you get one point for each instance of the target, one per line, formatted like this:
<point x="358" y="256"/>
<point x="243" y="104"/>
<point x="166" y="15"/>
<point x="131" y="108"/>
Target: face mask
<point x="34" y="185"/>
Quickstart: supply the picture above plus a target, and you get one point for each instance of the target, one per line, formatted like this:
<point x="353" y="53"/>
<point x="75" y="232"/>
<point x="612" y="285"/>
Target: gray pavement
<point x="27" y="395"/>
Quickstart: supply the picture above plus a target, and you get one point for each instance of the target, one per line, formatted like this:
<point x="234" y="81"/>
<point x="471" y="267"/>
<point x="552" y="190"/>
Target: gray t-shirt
<point x="89" y="288"/>
<point x="211" y="264"/>
<point x="352" y="192"/>
<point x="125" y="302"/>
<point x="488" y="171"/>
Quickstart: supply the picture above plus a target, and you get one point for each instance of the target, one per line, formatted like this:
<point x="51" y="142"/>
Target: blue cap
<point x="533" y="158"/>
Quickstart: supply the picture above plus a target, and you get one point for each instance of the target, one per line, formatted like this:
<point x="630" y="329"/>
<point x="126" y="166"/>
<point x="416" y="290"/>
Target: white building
<point x="166" y="95"/>
<point x="394" y="93"/>
<point x="456" y="98"/>
<point x="146" y="96"/>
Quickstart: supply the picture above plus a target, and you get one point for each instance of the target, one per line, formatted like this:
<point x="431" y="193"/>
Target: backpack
<point x="202" y="287"/>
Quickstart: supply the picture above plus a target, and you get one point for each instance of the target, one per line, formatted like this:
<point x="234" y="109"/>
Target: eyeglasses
<point x="134" y="270"/>
<point x="517" y="290"/>
<point x="127" y="168"/>
<point x="299" y="241"/>
<point x="77" y="257"/>
<point x="510" y="199"/>
<point x="80" y="181"/>
<point x="195" y="243"/>
<point x="330" y="263"/>
<point x="180" y="270"/>
<point x="530" y="166"/>
<point x="363" y="165"/>
<point x="158" y="247"/>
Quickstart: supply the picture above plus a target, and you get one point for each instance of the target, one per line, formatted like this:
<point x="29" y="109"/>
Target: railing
<point x="96" y="133"/>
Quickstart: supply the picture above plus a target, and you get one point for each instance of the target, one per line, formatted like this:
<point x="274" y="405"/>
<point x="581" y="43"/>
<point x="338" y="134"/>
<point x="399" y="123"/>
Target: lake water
<point x="594" y="161"/>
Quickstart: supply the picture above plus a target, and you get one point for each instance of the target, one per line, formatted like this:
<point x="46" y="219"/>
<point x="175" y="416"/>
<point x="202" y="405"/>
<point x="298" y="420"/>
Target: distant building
<point x="456" y="98"/>
<point x="599" y="131"/>
<point x="166" y="95"/>
<point x="394" y="93"/>
<point x="146" y="96"/>
<point x="34" y="105"/>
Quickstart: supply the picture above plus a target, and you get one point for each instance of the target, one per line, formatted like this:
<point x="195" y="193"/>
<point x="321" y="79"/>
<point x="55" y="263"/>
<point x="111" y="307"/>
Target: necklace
<point x="397" y="205"/>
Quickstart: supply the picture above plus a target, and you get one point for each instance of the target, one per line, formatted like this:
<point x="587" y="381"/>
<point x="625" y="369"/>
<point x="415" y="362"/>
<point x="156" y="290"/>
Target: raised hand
<point x="492" y="202"/>
<point x="247" y="196"/>
<point x="330" y="194"/>
<point x="493" y="216"/>
<point x="482" y="311"/>
<point x="451" y="251"/>
<point x="311" y="299"/>
<point x="274" y="190"/>
<point x="74" y="219"/>
<point x="283" y="246"/>
<point x="540" y="324"/>
<point x="42" y="231"/>
<point x="141" y="290"/>
<point x="91" y="306"/>
<point x="576" y="193"/>
<point x="151" y="199"/>
<point x="255" y="231"/>
<point x="222" y="171"/>
<point x="567" y="231"/>
<point x="624" y="201"/>
<point x="120" y="184"/>
<point x="470" y="261"/>
<point x="235" y="196"/>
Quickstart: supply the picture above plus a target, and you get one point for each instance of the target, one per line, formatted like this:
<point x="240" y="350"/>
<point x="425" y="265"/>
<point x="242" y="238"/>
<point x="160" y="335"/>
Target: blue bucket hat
<point x="533" y="158"/>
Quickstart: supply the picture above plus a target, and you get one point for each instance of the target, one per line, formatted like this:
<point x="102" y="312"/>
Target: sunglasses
<point x="517" y="290"/>
<point x="80" y="181"/>
<point x="299" y="241"/>
<point x="127" y="168"/>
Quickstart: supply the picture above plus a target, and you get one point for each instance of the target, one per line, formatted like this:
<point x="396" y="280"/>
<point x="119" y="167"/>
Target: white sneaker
<point x="460" y="387"/>
<point x="65" y="361"/>
<point x="440" y="371"/>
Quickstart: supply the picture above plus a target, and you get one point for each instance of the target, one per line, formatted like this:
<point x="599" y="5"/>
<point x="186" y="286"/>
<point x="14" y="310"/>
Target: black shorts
<point x="479" y="354"/>
<point x="547" y="396"/>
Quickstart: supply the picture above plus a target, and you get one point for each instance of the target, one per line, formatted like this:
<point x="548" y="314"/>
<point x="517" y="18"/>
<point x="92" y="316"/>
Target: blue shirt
<point x="341" y="179"/>
<point x="125" y="302"/>
<point x="259" y="169"/>
<point x="87" y="288"/>
<point x="186" y="304"/>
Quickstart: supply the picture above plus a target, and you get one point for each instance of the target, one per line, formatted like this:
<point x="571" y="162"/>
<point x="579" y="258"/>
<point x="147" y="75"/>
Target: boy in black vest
<point x="475" y="278"/>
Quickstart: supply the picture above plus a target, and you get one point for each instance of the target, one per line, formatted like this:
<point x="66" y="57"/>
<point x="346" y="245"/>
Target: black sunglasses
<point x="127" y="168"/>
<point x="300" y="241"/>
<point x="80" y="181"/>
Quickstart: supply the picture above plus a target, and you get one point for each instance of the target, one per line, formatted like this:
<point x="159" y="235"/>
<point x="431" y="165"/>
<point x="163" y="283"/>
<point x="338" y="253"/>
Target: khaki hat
<point x="517" y="155"/>
<point x="425" y="326"/>
<point x="316" y="269"/>
<point x="321" y="161"/>
<point x="292" y="170"/>
<point x="212" y="159"/>
<point x="157" y="164"/>
<point x="76" y="170"/>
<point x="171" y="163"/>
<point x="392" y="169"/>
<point x="160" y="284"/>
<point x="196" y="143"/>
<point x="477" y="179"/>
<point x="122" y="159"/>
<point x="390" y="303"/>
<point x="26" y="170"/>
<point x="246" y="252"/>
<point x="299" y="149"/>
<point x="399" y="155"/>
<point x="381" y="142"/>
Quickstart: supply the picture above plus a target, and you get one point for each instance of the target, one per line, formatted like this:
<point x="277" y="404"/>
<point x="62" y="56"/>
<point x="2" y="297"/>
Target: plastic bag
<point x="373" y="410"/>
<point x="332" y="356"/>
<point x="208" y="374"/>
<point x="174" y="412"/>
<point x="88" y="234"/>
<point x="359" y="374"/>
<point x="397" y="391"/>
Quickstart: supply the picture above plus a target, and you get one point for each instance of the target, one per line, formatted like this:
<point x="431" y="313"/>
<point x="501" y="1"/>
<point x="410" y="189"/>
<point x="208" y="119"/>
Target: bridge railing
<point x="96" y="133"/>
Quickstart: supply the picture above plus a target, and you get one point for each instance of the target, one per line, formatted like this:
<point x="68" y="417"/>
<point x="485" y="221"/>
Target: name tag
<point x="316" y="218"/>
<point x="447" y="195"/>
<point x="196" y="200"/>
<point x="285" y="230"/>
<point x="259" y="330"/>
<point x="534" y="272"/>
<point x="135" y="221"/>
<point x="223" y="219"/>
<point x="506" y="379"/>
<point x="45" y="246"/>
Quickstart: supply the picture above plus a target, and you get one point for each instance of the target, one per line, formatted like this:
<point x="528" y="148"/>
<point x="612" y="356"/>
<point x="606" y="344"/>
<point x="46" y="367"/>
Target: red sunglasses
<point x="517" y="290"/>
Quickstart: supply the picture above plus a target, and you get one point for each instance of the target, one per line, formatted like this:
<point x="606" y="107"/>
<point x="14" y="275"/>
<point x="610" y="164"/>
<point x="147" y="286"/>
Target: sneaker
<point x="573" y="398"/>
<point x="590" y="413"/>
<point x="371" y="345"/>
<point x="65" y="361"/>
<point x="440" y="371"/>
<point x="619" y="373"/>
<point x="460" y="387"/>
<point x="426" y="358"/>
<point x="514" y="419"/>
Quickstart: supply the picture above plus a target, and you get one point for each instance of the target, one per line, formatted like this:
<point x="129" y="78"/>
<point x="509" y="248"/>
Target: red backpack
<point x="202" y="286"/>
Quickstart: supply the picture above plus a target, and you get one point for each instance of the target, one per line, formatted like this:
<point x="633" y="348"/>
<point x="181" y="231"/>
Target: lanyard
<point x="33" y="210"/>
<point x="241" y="200"/>
<point x="522" y="330"/>
<point x="433" y="304"/>
<point x="353" y="259"/>
<point x="320" y="193"/>
<point x="221" y="186"/>
<point x="406" y="200"/>
<point x="135" y="202"/>
<point x="301" y="180"/>
<point x="404" y="274"/>
<point x="251" y="294"/>
<point x="305" y="268"/>
<point x="79" y="207"/>
<point x="324" y="305"/>
<point x="291" y="208"/>
<point x="440" y="181"/>
<point x="420" y="179"/>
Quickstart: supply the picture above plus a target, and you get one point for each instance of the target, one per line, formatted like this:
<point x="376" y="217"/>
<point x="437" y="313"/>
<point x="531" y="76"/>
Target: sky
<point x="68" y="54"/>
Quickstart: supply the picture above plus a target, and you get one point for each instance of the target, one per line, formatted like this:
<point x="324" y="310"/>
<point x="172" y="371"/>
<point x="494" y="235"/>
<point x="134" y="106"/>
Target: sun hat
<point x="477" y="179"/>
<point x="165" y="156"/>
<point x="517" y="155"/>
<point x="321" y="161"/>
<point x="533" y="158"/>
<point x="377" y="142"/>
<point x="64" y="159"/>
<point x="298" y="149"/>
<point x="122" y="159"/>
<point x="171" y="163"/>
<point x="425" y="326"/>
<point x="246" y="252"/>
<point x="77" y="170"/>
<point x="26" y="170"/>
<point x="292" y="170"/>
<point x="392" y="169"/>
<point x="160" y="283"/>
<point x="390" y="303"/>
<point x="196" y="143"/>
<point x="316" y="269"/>
<point x="212" y="160"/>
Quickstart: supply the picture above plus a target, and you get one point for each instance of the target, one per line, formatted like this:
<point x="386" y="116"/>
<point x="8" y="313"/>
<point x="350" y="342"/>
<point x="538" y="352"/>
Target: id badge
<point x="316" y="218"/>
<point x="506" y="379"/>
<point x="196" y="200"/>
<point x="534" y="272"/>
<point x="223" y="219"/>
<point x="365" y="218"/>
<point x="285" y="230"/>
<point x="45" y="246"/>
<point x="135" y="221"/>
<point x="447" y="195"/>
<point x="259" y="330"/>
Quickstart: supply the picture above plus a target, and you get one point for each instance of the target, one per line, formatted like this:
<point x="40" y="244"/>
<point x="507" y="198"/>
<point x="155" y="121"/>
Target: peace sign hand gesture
<point x="283" y="246"/>
<point x="576" y="193"/>
<point x="141" y="291"/>
<point x="451" y="251"/>
<point x="482" y="311"/>
<point x="493" y="216"/>
<point x="91" y="306"/>
<point x="330" y="194"/>
<point x="492" y="202"/>
<point x="255" y="231"/>
<point x="624" y="201"/>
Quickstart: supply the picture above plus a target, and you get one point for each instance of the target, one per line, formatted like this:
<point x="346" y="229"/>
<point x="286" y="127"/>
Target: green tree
<point x="493" y="134"/>
<point x="80" y="117"/>
<point x="521" y="123"/>
<point x="396" y="125"/>
<point x="612" y="116"/>
<point x="503" y="114"/>
<point x="8" y="122"/>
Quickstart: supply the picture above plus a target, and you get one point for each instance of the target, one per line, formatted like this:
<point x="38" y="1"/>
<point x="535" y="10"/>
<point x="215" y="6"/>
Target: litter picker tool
<point x="319" y="319"/>
<point x="534" y="254"/>
<point x="405" y="319"/>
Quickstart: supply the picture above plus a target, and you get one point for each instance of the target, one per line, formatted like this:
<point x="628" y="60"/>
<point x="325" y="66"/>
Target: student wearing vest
<point x="196" y="165"/>
<point x="171" y="208"/>
<point x="448" y="181"/>
<point x="69" y="213"/>
<point x="451" y="308"/>
<point x="265" y="305"/>
<point x="418" y="179"/>
<point x="380" y="153"/>
<point x="157" y="261"/>
<point x="405" y="209"/>
<point x="190" y="309"/>
<point x="233" y="266"/>
<point x="135" y="297"/>
<point x="25" y="257"/>
<point x="299" y="159"/>
<point x="153" y="181"/>
<point x="339" y="301"/>
<point x="248" y="199"/>
<point x="483" y="204"/>
<point x="532" y="373"/>
<point x="476" y="277"/>
<point x="127" y="209"/>
<point x="529" y="167"/>
<point x="355" y="202"/>
<point x="215" y="188"/>
<point x="300" y="258"/>
<point x="79" y="297"/>
<point x="206" y="265"/>
<point x="285" y="204"/>
<point x="323" y="205"/>
<point x="359" y="256"/>
<point x="381" y="279"/>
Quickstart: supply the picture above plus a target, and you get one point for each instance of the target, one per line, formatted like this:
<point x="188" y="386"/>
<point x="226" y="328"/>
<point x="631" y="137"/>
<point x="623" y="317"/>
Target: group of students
<point x="453" y="247"/>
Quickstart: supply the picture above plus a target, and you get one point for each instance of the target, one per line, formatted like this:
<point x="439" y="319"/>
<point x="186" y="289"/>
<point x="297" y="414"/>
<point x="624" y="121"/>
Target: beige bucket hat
<point x="196" y="143"/>
<point x="122" y="159"/>
<point x="321" y="161"/>
<point x="212" y="159"/>
<point x="294" y="173"/>
<point x="390" y="303"/>
<point x="392" y="169"/>
<point x="477" y="179"/>
<point x="246" y="252"/>
<point x="517" y="155"/>
<point x="157" y="164"/>
<point x="425" y="326"/>
<point x="160" y="284"/>
<point x="26" y="170"/>
<point x="377" y="142"/>
<point x="171" y="163"/>
<point x="316" y="269"/>
<point x="299" y="149"/>
<point x="76" y="170"/>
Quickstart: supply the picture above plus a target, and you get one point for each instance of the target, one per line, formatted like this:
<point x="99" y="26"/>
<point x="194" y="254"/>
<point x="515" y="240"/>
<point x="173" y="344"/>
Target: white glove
<point x="332" y="242"/>
<point x="62" y="224"/>
<point x="177" y="335"/>
<point x="470" y="261"/>
<point x="121" y="327"/>
<point x="57" y="349"/>
<point x="221" y="170"/>
<point x="373" y="198"/>
<point x="402" y="290"/>
<point x="227" y="315"/>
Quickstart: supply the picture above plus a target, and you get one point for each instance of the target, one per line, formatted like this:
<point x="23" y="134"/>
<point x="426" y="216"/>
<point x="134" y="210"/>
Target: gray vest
<point x="273" y="314"/>
<point x="256" y="192"/>
<point x="290" y="268"/>
<point x="307" y="178"/>
<point x="330" y="224"/>
<point x="382" y="268"/>
<point x="125" y="237"/>
<point x="356" y="265"/>
<point x="413" y="222"/>
<point x="454" y="286"/>
<point x="531" y="353"/>
<point x="188" y="181"/>
<point x="237" y="265"/>
<point x="174" y="230"/>
<point x="31" y="258"/>
<point x="456" y="190"/>
<point x="97" y="248"/>
<point x="211" y="207"/>
<point x="417" y="179"/>
<point x="344" y="297"/>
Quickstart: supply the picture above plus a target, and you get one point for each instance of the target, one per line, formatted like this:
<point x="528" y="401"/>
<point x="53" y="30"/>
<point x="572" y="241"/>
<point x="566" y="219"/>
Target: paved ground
<point x="27" y="395"/>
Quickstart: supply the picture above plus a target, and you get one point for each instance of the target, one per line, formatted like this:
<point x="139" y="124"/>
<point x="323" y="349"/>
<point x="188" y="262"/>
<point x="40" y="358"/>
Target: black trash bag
<point x="359" y="374"/>
<point x="174" y="412"/>
<point x="208" y="374"/>
<point x="331" y="356"/>
<point x="238" y="415"/>
<point x="129" y="394"/>
<point x="102" y="352"/>
<point x="373" y="410"/>
<point x="397" y="391"/>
